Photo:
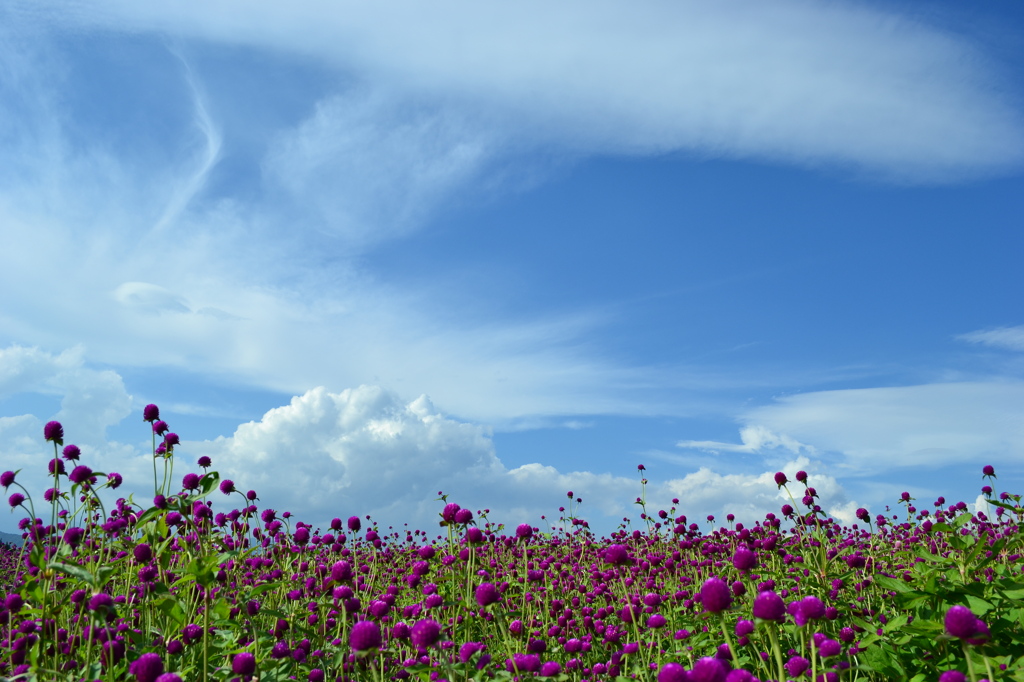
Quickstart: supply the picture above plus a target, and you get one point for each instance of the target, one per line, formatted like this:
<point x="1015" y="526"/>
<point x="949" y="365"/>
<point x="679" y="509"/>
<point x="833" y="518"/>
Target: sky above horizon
<point x="361" y="254"/>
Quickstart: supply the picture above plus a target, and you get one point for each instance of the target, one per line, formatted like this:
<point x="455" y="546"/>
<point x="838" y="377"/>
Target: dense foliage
<point x="171" y="591"/>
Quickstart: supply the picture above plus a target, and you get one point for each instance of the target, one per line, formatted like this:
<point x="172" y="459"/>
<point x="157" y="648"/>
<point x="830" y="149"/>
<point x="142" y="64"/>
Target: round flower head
<point x="960" y="622"/>
<point x="812" y="607"/>
<point x="147" y="668"/>
<point x="169" y="677"/>
<point x="55" y="432"/>
<point x="365" y="635"/>
<point x="708" y="669"/>
<point x="780" y="479"/>
<point x="190" y="482"/>
<point x="243" y="664"/>
<point x="150" y="413"/>
<point x="656" y="621"/>
<point x="80" y="474"/>
<point x="204" y="462"/>
<point x="486" y="594"/>
<point x="801" y="476"/>
<point x="550" y="669"/>
<point x="463" y="516"/>
<point x="797" y="666"/>
<point x="673" y="672"/>
<point x="15" y="500"/>
<point x="524" y="531"/>
<point x="448" y="514"/>
<point x="528" y="663"/>
<point x="142" y="553"/>
<point x="353" y="524"/>
<point x="769" y="606"/>
<point x="341" y="572"/>
<point x="829" y="648"/>
<point x="56" y="465"/>
<point x="616" y="555"/>
<point x="474" y="535"/>
<point x="425" y="633"/>
<point x="864" y="515"/>
<point x="101" y="602"/>
<point x="6" y="478"/>
<point x="952" y="676"/>
<point x="988" y="470"/>
<point x="715" y="595"/>
<point x="171" y="439"/>
<point x="744" y="559"/>
<point x="227" y="486"/>
<point x="160" y="427"/>
<point x="114" y="479"/>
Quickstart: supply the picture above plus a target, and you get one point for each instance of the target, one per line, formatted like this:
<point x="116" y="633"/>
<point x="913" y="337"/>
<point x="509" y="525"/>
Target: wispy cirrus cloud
<point x="1007" y="338"/>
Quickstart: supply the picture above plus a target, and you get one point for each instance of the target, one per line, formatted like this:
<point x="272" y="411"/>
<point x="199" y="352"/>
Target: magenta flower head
<point x="425" y="633"/>
<point x="353" y="524"/>
<point x="673" y="672"/>
<point x="80" y="474"/>
<point x="474" y="535"/>
<point x="147" y="668"/>
<point x="715" y="595"/>
<point x="55" y="432"/>
<point x="486" y="594"/>
<point x="171" y="439"/>
<point x="150" y="413"/>
<point x="204" y="462"/>
<point x="960" y="622"/>
<point x="15" y="500"/>
<point x="708" y="669"/>
<point x="160" y="428"/>
<point x="463" y="516"/>
<point x="341" y="572"/>
<point x="616" y="555"/>
<point x="780" y="479"/>
<point x="952" y="676"/>
<point x="364" y="636"/>
<point x="190" y="482"/>
<point x="227" y="486"/>
<point x="769" y="606"/>
<point x="56" y="465"/>
<point x="6" y="479"/>
<point x="243" y="664"/>
<point x="864" y="515"/>
<point x="797" y="666"/>
<point x="801" y="476"/>
<point x="449" y="512"/>
<point x="71" y="452"/>
<point x="114" y="480"/>
<point x="551" y="669"/>
<point x="101" y="602"/>
<point x="143" y="552"/>
<point x="988" y="470"/>
<point x="744" y="559"/>
<point x="524" y="531"/>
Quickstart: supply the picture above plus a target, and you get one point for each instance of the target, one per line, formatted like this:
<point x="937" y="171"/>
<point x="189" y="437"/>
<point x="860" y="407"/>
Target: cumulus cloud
<point x="365" y="451"/>
<point x="1007" y="338"/>
<point x="792" y="80"/>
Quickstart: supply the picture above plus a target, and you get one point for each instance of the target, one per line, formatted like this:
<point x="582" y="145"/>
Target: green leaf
<point x="74" y="571"/>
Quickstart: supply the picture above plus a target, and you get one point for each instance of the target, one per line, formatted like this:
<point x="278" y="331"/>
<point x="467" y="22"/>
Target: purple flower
<point x="744" y="627"/>
<point x="243" y="664"/>
<point x="474" y="536"/>
<point x="744" y="559"/>
<point x="341" y="572"/>
<point x="960" y="622"/>
<point x="780" y="479"/>
<point x="952" y="676"/>
<point x="71" y="452"/>
<point x="550" y="669"/>
<point x="114" y="479"/>
<point x="147" y="668"/>
<point x="656" y="621"/>
<point x="801" y="476"/>
<point x="227" y="486"/>
<point x="15" y="500"/>
<point x="101" y="602"/>
<point x="425" y="633"/>
<point x="812" y="607"/>
<point x="797" y="666"/>
<point x="529" y="663"/>
<point x="616" y="555"/>
<point x="6" y="478"/>
<point x="170" y="440"/>
<point x="829" y="648"/>
<point x="73" y="536"/>
<point x="365" y="635"/>
<point x="769" y="606"/>
<point x="204" y="462"/>
<point x="673" y="672"/>
<point x="160" y="428"/>
<point x="486" y="594"/>
<point x="448" y="514"/>
<point x="190" y="482"/>
<point x="988" y="470"/>
<point x="56" y="464"/>
<point x="353" y="524"/>
<point x="55" y="432"/>
<point x="467" y="650"/>
<point x="463" y="516"/>
<point x="715" y="595"/>
<point x="80" y="474"/>
<point x="169" y="677"/>
<point x="708" y="669"/>
<point x="524" y="531"/>
<point x="150" y="413"/>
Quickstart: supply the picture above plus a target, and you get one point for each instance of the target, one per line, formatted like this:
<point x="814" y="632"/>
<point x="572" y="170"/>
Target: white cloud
<point x="755" y="438"/>
<point x="750" y="496"/>
<point x="1008" y="338"/>
<point x="791" y="80"/>
<point x="365" y="451"/>
<point x="880" y="429"/>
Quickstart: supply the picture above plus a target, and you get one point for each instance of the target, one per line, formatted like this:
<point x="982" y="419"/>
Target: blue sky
<point x="359" y="254"/>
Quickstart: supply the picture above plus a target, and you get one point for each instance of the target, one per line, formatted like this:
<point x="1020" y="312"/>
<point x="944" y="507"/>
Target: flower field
<point x="170" y="591"/>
